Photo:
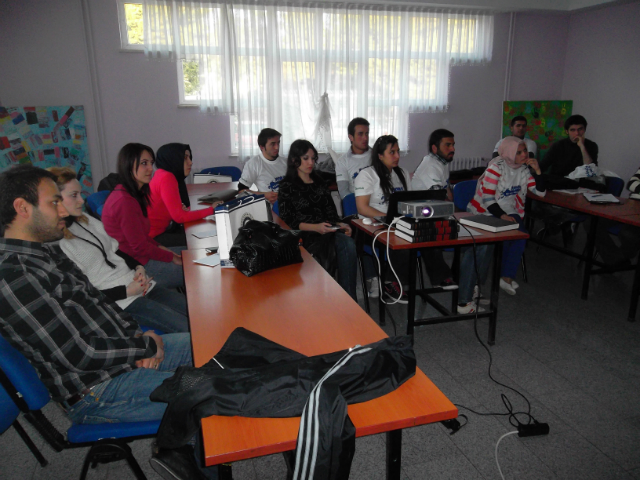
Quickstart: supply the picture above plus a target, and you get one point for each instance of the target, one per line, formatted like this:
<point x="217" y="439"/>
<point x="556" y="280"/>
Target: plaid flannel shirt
<point x="71" y="333"/>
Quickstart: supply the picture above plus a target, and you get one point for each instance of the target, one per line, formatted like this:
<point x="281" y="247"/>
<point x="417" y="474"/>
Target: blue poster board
<point x="46" y="137"/>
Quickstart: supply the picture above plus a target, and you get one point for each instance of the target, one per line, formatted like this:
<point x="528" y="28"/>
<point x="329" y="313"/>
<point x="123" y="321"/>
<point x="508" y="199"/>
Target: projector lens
<point x="427" y="212"/>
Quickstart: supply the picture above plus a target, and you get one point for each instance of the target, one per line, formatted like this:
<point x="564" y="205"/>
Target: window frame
<point x="125" y="46"/>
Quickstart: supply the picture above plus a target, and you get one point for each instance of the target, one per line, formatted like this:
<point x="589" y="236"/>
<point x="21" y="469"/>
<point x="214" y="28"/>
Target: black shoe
<point x="448" y="284"/>
<point x="176" y="464"/>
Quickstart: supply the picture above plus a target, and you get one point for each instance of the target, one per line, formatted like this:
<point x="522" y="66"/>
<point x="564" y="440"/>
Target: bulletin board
<point x="545" y="120"/>
<point x="46" y="137"/>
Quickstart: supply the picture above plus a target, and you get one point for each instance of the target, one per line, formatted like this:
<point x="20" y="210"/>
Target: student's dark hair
<point x="437" y="135"/>
<point x="518" y="118"/>
<point x="299" y="149"/>
<point x="265" y="134"/>
<point x="575" y="120"/>
<point x="383" y="172"/>
<point x="351" y="128"/>
<point x="20" y="181"/>
<point x="128" y="162"/>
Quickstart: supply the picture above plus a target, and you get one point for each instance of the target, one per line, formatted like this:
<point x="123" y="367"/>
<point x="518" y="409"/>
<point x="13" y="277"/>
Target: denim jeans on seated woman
<point x="468" y="277"/>
<point x="162" y="309"/>
<point x="166" y="274"/>
<point x="347" y="263"/>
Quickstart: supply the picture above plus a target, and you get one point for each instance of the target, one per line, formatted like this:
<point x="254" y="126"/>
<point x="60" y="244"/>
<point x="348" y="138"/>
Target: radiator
<point x="467" y="163"/>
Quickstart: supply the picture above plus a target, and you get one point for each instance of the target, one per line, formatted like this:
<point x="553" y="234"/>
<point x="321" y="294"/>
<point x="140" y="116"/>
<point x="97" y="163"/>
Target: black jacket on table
<point x="262" y="379"/>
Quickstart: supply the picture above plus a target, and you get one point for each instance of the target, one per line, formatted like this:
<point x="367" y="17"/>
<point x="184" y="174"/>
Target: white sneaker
<point x="514" y="284"/>
<point x="374" y="287"/>
<point x="470" y="307"/>
<point x="481" y="300"/>
<point x="507" y="288"/>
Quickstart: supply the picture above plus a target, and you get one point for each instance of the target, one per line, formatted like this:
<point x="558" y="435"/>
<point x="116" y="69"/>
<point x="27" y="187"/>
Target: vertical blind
<point x="307" y="70"/>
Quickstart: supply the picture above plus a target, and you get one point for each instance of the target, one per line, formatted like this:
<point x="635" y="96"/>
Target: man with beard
<point x="91" y="355"/>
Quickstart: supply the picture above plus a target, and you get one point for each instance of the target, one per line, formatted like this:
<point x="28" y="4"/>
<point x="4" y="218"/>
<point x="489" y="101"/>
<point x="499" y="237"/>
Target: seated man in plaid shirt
<point x="92" y="356"/>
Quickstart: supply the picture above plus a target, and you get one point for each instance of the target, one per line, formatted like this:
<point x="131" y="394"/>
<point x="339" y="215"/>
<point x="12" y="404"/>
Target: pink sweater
<point x="166" y="204"/>
<point x="123" y="220"/>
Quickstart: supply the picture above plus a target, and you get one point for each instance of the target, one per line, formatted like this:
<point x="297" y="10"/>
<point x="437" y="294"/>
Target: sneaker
<point x="470" y="307"/>
<point x="448" y="284"/>
<point x="373" y="285"/>
<point x="514" y="284"/>
<point x="392" y="290"/>
<point x="481" y="300"/>
<point x="507" y="287"/>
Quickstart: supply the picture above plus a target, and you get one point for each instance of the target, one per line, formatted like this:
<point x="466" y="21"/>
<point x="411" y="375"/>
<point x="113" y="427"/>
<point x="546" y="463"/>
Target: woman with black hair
<point x="125" y="217"/>
<point x="305" y="204"/>
<point x="169" y="207"/>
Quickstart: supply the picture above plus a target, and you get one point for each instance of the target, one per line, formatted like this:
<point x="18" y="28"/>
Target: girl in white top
<point x="87" y="244"/>
<point x="375" y="184"/>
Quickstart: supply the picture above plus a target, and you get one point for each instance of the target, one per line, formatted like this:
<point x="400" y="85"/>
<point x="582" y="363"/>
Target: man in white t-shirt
<point x="266" y="169"/>
<point x="518" y="129"/>
<point x="349" y="164"/>
<point x="433" y="171"/>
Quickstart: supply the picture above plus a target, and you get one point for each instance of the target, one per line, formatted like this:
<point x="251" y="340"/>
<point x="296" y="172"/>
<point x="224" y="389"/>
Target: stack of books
<point x="417" y="230"/>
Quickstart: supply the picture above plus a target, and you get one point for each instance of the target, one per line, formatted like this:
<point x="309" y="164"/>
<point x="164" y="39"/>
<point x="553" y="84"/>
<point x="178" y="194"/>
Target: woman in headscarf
<point x="170" y="206"/>
<point x="501" y="192"/>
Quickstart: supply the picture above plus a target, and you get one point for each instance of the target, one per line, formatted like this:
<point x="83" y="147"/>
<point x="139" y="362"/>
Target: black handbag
<point x="261" y="246"/>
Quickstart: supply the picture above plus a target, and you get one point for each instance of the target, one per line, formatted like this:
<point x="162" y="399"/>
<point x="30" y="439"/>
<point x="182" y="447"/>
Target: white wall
<point x="44" y="58"/>
<point x="602" y="76"/>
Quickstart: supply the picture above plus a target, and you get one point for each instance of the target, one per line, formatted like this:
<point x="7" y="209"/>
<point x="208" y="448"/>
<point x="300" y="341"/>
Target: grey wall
<point x="43" y="51"/>
<point x="602" y="76"/>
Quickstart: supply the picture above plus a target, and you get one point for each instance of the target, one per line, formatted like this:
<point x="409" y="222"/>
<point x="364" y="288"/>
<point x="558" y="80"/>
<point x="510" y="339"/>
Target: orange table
<point x="627" y="211"/>
<point x="301" y="307"/>
<point x="396" y="243"/>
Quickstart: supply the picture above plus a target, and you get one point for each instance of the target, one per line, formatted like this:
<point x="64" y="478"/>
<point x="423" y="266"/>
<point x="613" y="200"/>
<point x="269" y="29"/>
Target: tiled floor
<point x="576" y="361"/>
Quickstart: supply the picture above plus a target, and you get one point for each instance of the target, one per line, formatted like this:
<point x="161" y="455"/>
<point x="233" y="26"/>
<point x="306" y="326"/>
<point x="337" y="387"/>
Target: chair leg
<point x="363" y="281"/>
<point x="420" y="275"/>
<point x="32" y="446"/>
<point x="524" y="268"/>
<point x="110" y="450"/>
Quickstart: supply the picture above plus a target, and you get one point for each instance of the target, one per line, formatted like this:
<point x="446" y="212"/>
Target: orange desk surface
<point x="577" y="202"/>
<point x="303" y="308"/>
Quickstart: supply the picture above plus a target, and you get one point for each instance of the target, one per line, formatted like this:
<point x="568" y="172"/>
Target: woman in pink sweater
<point x="170" y="206"/>
<point x="125" y="217"/>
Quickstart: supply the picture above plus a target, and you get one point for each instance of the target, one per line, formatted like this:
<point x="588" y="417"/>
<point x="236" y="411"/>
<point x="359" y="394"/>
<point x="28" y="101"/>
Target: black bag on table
<point x="261" y="246"/>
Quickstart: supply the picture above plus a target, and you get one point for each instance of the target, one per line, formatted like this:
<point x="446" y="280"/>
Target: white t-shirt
<point x="431" y="174"/>
<point x="531" y="146"/>
<point x="349" y="165"/>
<point x="368" y="183"/>
<point x="264" y="174"/>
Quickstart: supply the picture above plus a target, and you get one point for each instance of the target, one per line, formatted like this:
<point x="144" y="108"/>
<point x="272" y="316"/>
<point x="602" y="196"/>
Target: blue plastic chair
<point x="95" y="203"/>
<point x="9" y="412"/>
<point x="108" y="441"/>
<point x="463" y="193"/>
<point x="275" y="208"/>
<point x="231" y="171"/>
<point x="349" y="205"/>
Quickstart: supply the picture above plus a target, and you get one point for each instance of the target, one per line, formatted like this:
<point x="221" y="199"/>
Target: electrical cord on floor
<point x="498" y="443"/>
<point x="381" y="282"/>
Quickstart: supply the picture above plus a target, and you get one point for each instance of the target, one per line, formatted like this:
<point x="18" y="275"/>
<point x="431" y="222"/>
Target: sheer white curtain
<point x="308" y="70"/>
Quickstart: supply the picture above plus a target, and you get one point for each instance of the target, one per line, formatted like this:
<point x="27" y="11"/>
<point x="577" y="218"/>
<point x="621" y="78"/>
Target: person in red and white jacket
<point x="501" y="192"/>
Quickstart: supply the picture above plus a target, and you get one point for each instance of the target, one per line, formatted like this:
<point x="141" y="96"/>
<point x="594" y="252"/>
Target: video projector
<point x="426" y="208"/>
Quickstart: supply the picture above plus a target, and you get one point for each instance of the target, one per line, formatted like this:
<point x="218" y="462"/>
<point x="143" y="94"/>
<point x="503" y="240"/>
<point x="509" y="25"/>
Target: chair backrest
<point x="23" y="376"/>
<point x="615" y="185"/>
<point x="233" y="172"/>
<point x="95" y="202"/>
<point x="349" y="205"/>
<point x="463" y="193"/>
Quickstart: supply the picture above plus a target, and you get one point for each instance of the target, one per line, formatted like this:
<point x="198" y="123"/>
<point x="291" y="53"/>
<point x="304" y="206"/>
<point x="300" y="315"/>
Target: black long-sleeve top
<point x="301" y="202"/>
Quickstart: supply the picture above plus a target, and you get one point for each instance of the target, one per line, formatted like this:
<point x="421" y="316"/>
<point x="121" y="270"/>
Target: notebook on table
<point x="489" y="223"/>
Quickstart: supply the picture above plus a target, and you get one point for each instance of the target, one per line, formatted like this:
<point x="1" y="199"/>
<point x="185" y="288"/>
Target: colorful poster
<point x="46" y="137"/>
<point x="545" y="120"/>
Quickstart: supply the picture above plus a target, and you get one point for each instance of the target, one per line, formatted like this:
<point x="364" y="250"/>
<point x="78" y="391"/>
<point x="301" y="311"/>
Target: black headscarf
<point x="170" y="157"/>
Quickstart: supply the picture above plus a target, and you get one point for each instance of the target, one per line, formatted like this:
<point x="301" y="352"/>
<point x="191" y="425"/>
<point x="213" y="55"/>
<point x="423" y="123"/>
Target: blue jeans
<point x="125" y="398"/>
<point x="468" y="277"/>
<point x="166" y="274"/>
<point x="161" y="308"/>
<point x="347" y="263"/>
<point x="512" y="251"/>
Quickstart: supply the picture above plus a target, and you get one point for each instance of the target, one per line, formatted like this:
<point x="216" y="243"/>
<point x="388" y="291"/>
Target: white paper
<point x="206" y="234"/>
<point x="601" y="198"/>
<point x="575" y="191"/>
<point x="209" y="260"/>
<point x="464" y="233"/>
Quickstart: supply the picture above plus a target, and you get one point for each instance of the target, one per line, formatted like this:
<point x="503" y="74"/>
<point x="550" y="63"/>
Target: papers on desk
<point x="207" y="233"/>
<point x="209" y="260"/>
<point x="576" y="191"/>
<point x="600" y="198"/>
<point x="467" y="232"/>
